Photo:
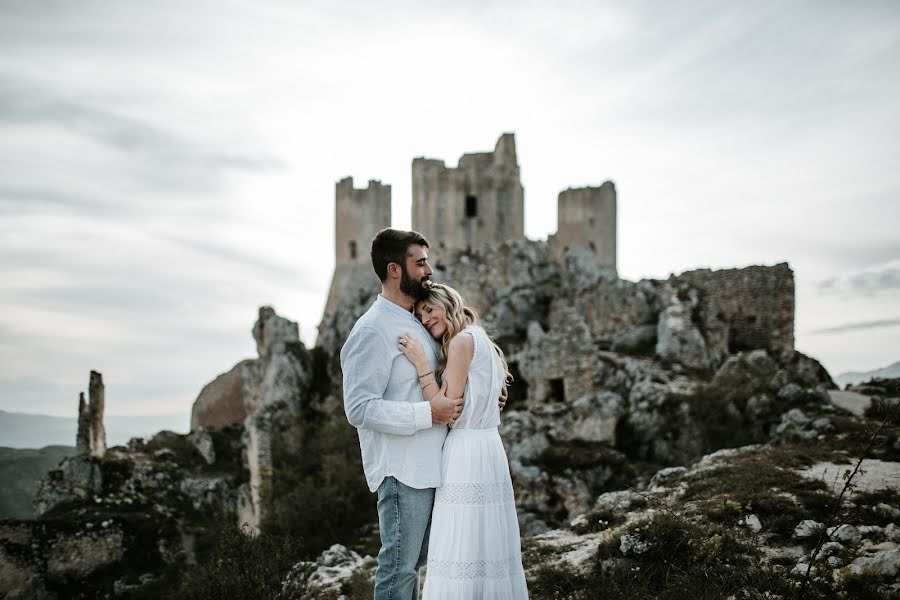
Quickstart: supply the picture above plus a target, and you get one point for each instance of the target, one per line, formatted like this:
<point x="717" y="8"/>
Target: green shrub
<point x="239" y="566"/>
<point x="318" y="495"/>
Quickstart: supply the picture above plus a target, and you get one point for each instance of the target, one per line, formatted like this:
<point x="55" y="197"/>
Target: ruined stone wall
<point x="757" y="302"/>
<point x="479" y="203"/>
<point x="587" y="219"/>
<point x="358" y="215"/>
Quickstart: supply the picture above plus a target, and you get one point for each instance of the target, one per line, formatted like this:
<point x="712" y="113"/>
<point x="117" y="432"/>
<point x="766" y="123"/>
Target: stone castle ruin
<point x="478" y="204"/>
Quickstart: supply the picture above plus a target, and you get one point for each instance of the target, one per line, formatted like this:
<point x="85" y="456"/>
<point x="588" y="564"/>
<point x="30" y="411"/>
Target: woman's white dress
<point x="474" y="552"/>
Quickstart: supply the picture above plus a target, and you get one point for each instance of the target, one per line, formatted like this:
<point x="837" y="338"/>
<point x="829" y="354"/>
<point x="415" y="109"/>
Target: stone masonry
<point x="359" y="215"/>
<point x="587" y="220"/>
<point x="757" y="302"/>
<point x="479" y="203"/>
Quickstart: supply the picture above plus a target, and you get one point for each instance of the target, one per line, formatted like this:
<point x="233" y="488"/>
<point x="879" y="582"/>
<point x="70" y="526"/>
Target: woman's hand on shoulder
<point x="412" y="349"/>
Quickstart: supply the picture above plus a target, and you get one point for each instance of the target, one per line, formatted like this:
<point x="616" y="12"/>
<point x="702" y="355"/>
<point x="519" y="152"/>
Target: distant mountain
<point x="20" y="472"/>
<point x="854" y="377"/>
<point x="22" y="430"/>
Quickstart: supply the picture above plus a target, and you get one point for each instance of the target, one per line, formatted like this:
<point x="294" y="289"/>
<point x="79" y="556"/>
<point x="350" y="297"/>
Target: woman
<point x="474" y="550"/>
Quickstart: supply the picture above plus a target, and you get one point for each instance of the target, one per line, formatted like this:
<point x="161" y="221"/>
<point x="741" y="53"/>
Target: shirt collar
<point x="388" y="305"/>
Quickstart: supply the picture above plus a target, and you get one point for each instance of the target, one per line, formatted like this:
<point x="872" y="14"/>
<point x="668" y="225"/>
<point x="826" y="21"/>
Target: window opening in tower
<point x="471" y="206"/>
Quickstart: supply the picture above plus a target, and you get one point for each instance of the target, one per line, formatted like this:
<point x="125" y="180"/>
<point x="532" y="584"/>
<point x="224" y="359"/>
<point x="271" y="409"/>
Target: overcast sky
<point x="168" y="167"/>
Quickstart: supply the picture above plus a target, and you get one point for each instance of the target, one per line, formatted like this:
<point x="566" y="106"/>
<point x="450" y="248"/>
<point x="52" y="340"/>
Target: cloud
<point x="857" y="326"/>
<point x="28" y="103"/>
<point x="878" y="279"/>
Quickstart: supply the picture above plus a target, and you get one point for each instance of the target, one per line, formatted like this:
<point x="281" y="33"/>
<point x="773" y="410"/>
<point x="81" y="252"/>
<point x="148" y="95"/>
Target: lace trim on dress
<point x="494" y="492"/>
<point x="475" y="569"/>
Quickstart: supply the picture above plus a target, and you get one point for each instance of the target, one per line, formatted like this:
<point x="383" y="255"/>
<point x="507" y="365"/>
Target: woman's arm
<point x="459" y="359"/>
<point x="413" y="351"/>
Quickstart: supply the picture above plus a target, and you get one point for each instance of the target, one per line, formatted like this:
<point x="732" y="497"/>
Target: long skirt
<point x="474" y="552"/>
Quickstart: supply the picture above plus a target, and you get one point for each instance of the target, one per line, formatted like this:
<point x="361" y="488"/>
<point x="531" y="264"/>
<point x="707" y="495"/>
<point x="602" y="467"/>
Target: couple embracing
<point x="415" y="363"/>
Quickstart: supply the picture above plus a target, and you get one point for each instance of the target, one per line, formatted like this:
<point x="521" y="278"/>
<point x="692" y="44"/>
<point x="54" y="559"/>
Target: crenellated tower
<point x="358" y="215"/>
<point x="480" y="202"/>
<point x="587" y="219"/>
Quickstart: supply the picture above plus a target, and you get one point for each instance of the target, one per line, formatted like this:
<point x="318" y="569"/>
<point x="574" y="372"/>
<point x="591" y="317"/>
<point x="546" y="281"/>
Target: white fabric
<point x="383" y="400"/>
<point x="474" y="552"/>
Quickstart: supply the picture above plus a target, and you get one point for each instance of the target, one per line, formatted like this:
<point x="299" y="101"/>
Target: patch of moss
<point x="866" y="506"/>
<point x="758" y="484"/>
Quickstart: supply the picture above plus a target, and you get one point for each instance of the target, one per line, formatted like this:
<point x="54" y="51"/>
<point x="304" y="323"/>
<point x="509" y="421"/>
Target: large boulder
<point x="222" y="401"/>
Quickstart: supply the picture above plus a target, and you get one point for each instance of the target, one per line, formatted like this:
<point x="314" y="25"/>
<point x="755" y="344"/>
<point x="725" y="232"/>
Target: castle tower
<point x="358" y="215"/>
<point x="478" y="203"/>
<point x="587" y="219"/>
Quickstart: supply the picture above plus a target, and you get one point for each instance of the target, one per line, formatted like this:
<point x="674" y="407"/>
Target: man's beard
<point x="413" y="287"/>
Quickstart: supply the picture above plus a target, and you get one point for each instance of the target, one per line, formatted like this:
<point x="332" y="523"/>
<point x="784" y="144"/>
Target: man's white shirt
<point x="383" y="400"/>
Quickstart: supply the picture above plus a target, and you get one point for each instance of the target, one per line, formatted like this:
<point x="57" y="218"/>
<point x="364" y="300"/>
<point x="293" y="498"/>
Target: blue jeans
<point x="404" y="517"/>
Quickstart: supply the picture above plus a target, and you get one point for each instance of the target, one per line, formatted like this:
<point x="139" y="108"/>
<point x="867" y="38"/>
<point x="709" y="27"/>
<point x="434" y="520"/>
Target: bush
<point x="240" y="566"/>
<point x="318" y="493"/>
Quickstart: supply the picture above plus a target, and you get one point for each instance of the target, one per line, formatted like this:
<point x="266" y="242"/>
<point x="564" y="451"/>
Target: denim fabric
<point x="404" y="517"/>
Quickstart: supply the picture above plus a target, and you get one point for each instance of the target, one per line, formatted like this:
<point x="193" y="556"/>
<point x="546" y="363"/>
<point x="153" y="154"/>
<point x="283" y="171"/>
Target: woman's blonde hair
<point x="458" y="317"/>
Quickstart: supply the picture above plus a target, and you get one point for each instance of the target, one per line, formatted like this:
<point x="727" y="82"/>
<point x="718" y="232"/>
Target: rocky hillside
<point x="812" y="513"/>
<point x="661" y="433"/>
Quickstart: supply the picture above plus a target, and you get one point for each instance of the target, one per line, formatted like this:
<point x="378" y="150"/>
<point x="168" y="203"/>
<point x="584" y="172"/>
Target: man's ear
<point x="394" y="271"/>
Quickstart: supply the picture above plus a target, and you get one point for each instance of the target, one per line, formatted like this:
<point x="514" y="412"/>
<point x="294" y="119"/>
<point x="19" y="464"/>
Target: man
<point x="400" y="434"/>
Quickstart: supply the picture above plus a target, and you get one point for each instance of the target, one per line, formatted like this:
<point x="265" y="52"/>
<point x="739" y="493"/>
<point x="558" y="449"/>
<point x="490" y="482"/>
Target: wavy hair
<point x="458" y="317"/>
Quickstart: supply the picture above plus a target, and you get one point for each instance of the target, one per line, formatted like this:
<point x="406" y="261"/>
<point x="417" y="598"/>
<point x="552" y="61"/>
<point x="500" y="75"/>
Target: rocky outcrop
<point x="328" y="575"/>
<point x="91" y="436"/>
<point x="103" y="524"/>
<point x="78" y="478"/>
<point x="276" y="376"/>
<point x="222" y="401"/>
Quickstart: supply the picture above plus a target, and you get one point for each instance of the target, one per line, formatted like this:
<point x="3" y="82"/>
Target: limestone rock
<point x="309" y="580"/>
<point x="91" y="435"/>
<point x="679" y="340"/>
<point x="886" y="563"/>
<point x="277" y="375"/>
<point x="222" y="400"/>
<point x="807" y="529"/>
<point x="78" y="478"/>
<point x="845" y="534"/>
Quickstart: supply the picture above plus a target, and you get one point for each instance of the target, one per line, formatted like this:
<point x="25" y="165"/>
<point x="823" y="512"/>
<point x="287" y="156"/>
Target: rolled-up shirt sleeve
<point x="366" y="364"/>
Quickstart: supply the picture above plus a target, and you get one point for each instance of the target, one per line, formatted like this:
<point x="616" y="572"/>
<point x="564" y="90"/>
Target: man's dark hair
<point x="390" y="246"/>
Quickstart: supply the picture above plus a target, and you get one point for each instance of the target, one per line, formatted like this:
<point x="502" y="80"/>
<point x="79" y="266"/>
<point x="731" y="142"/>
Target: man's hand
<point x="504" y="395"/>
<point x="444" y="410"/>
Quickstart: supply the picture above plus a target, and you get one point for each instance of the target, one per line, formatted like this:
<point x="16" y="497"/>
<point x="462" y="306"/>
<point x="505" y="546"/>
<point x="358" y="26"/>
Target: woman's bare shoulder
<point x="462" y="343"/>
